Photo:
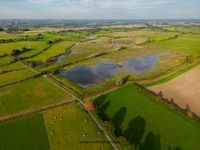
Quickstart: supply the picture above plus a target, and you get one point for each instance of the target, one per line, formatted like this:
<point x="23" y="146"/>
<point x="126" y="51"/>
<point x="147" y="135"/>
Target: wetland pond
<point x="89" y="75"/>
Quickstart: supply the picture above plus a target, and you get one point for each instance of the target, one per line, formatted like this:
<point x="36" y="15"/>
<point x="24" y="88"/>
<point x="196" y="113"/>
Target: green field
<point x="95" y="46"/>
<point x="5" y="60"/>
<point x="14" y="76"/>
<point x="13" y="66"/>
<point x="188" y="44"/>
<point x="29" y="95"/>
<point x="7" y="36"/>
<point x="146" y="122"/>
<point x="69" y="127"/>
<point x="55" y="50"/>
<point x="7" y="48"/>
<point x="37" y="132"/>
<point x="33" y="52"/>
<point x="65" y="35"/>
<point x="69" y="59"/>
<point x="24" y="134"/>
<point x="147" y="34"/>
<point x="133" y="118"/>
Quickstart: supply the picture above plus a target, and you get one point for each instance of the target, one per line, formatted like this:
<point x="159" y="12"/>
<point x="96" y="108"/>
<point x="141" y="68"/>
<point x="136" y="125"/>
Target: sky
<point x="100" y="9"/>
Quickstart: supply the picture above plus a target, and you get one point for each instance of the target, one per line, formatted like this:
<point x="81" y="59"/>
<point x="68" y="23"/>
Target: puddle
<point x="90" y="75"/>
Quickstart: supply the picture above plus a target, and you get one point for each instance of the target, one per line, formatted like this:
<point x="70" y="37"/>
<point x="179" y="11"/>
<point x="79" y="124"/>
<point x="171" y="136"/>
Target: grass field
<point x="69" y="127"/>
<point x="95" y="46"/>
<point x="138" y="118"/>
<point x="24" y="134"/>
<point x="7" y="48"/>
<point x="7" y="36"/>
<point x="37" y="132"/>
<point x="55" y="50"/>
<point x="5" y="60"/>
<point x="34" y="51"/>
<point x="15" y="76"/>
<point x="13" y="66"/>
<point x="29" y="95"/>
<point x="147" y="123"/>
<point x="67" y="35"/>
<point x="70" y="58"/>
<point x="188" y="44"/>
<point x="147" y="34"/>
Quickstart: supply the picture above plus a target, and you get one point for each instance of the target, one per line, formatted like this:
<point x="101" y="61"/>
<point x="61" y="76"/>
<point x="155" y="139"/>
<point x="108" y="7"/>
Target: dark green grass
<point x="24" y="134"/>
<point x="145" y="121"/>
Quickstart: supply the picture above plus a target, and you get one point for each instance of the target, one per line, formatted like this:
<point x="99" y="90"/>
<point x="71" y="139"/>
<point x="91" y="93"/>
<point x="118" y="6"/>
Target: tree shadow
<point x="176" y="148"/>
<point x="135" y="131"/>
<point x="152" y="142"/>
<point x="117" y="120"/>
<point x="101" y="106"/>
<point x="126" y="79"/>
<point x="102" y="109"/>
<point x="100" y="100"/>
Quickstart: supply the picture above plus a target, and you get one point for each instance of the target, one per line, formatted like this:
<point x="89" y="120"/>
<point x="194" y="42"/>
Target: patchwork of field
<point x="145" y="122"/>
<point x="188" y="44"/>
<point x="7" y="48"/>
<point x="44" y="34"/>
<point x="7" y="36"/>
<point x="98" y="46"/>
<point x="5" y="60"/>
<point x="13" y="66"/>
<point x="28" y="95"/>
<point x="15" y="76"/>
<point x="55" y="50"/>
<point x="145" y="35"/>
<point x="33" y="52"/>
<point x="67" y="127"/>
<point x="184" y="89"/>
<point x="38" y="68"/>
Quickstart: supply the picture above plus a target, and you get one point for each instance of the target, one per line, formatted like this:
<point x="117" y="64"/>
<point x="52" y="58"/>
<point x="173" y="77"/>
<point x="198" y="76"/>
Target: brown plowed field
<point x="185" y="89"/>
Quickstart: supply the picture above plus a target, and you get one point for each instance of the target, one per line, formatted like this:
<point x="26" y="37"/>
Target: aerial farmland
<point x="99" y="75"/>
<point x="106" y="86"/>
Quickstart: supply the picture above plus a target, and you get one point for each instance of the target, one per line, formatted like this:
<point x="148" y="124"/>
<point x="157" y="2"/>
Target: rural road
<point x="82" y="103"/>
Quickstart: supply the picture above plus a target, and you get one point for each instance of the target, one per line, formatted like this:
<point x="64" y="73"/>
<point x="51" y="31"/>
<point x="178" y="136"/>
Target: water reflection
<point x="89" y="75"/>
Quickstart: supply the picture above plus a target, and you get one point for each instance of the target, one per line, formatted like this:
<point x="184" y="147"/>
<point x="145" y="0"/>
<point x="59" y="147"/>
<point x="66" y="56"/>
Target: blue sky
<point x="100" y="9"/>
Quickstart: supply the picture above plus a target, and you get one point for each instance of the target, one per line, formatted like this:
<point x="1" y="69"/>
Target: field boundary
<point x="9" y="84"/>
<point x="159" y="97"/>
<point x="170" y="74"/>
<point x="27" y="113"/>
<point x="84" y="106"/>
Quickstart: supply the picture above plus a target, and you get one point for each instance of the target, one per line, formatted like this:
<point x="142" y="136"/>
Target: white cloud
<point x="97" y="9"/>
<point x="43" y="1"/>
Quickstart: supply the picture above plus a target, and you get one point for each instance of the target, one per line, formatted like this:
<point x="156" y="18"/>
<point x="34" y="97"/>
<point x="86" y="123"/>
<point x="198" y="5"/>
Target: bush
<point x="190" y="59"/>
<point x="15" y="52"/>
<point x="109" y="127"/>
<point x="122" y="48"/>
<point x="56" y="71"/>
<point x="49" y="42"/>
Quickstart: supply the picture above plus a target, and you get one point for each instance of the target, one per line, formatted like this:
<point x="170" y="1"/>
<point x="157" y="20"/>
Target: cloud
<point x="97" y="9"/>
<point x="43" y="1"/>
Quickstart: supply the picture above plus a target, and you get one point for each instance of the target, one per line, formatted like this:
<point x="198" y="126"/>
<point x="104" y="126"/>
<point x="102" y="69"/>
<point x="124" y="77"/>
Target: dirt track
<point x="185" y="89"/>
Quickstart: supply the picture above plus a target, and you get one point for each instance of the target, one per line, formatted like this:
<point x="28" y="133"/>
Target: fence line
<point x="159" y="96"/>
